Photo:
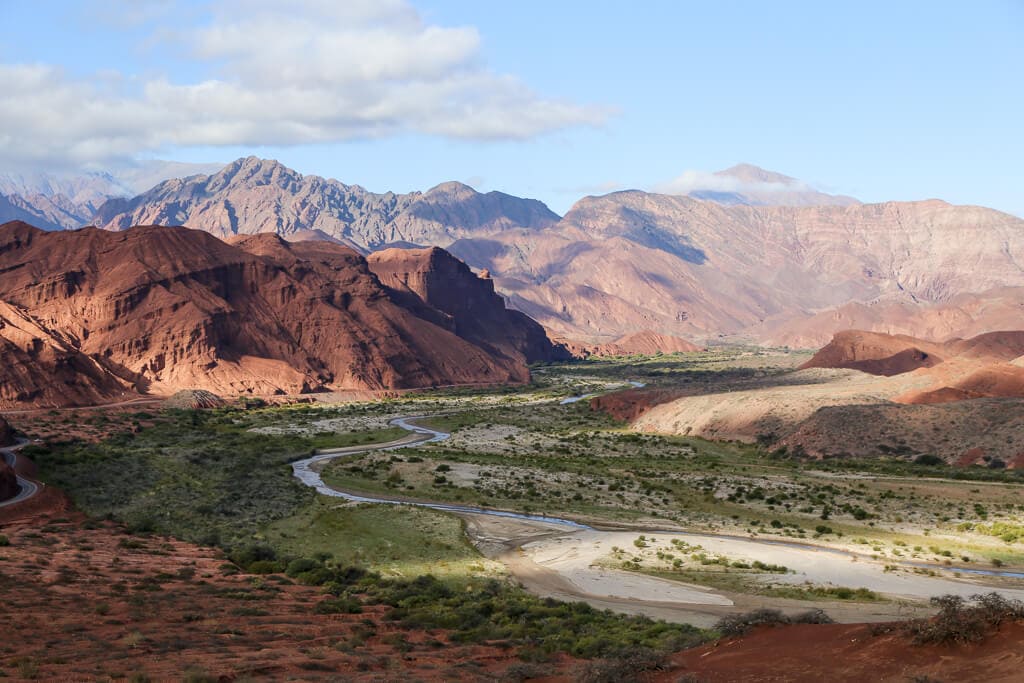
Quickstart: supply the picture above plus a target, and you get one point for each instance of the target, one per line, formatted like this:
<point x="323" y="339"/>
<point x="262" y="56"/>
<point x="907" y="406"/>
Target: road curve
<point x="28" y="488"/>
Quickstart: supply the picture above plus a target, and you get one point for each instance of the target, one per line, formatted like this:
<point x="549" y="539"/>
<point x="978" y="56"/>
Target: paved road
<point x="29" y="488"/>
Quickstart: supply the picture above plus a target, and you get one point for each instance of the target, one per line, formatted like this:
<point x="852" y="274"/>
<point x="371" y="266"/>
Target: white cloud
<point x="317" y="71"/>
<point x="702" y="181"/>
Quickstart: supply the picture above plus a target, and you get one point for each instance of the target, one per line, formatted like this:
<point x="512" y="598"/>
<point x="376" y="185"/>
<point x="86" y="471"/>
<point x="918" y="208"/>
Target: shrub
<point x="740" y="624"/>
<point x="301" y="566"/>
<point x="961" y="622"/>
<point x="625" y="667"/>
<point x="338" y="606"/>
<point x="264" y="567"/>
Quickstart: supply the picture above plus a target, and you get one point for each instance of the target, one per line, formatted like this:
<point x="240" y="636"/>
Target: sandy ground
<point x="575" y="556"/>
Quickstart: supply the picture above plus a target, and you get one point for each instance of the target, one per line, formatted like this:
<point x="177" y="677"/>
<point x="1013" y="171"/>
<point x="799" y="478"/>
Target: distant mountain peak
<point x="750" y="173"/>
<point x="751" y="185"/>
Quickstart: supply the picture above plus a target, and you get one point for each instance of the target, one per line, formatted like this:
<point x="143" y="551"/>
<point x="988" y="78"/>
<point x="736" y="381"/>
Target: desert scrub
<point x="479" y="610"/>
<point x="740" y="624"/>
<point x="961" y="621"/>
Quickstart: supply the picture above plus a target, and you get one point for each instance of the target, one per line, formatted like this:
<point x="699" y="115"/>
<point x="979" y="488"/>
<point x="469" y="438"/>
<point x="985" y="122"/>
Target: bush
<point x="624" y="668"/>
<point x="740" y="624"/>
<point x="264" y="567"/>
<point x="301" y="566"/>
<point x="961" y="622"/>
<point x="338" y="606"/>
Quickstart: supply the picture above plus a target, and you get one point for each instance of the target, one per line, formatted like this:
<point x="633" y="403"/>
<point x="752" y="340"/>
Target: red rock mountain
<point x="92" y="315"/>
<point x="468" y="305"/>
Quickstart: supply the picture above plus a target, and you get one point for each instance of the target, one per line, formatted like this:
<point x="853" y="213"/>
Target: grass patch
<point x="395" y="540"/>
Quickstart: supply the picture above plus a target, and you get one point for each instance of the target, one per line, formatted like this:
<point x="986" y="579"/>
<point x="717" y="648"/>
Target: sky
<point x="552" y="100"/>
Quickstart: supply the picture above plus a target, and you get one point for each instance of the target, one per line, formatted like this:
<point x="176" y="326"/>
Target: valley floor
<point x="670" y="527"/>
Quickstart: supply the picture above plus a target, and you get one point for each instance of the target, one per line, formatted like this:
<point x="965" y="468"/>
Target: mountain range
<point x="753" y="255"/>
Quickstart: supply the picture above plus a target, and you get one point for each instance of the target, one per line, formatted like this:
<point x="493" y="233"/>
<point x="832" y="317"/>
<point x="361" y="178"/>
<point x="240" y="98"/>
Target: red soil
<point x="630" y="404"/>
<point x="805" y="653"/>
<point x="85" y="602"/>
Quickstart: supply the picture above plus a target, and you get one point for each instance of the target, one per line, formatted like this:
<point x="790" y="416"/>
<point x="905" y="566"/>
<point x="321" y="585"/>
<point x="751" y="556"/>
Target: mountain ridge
<point x="93" y="316"/>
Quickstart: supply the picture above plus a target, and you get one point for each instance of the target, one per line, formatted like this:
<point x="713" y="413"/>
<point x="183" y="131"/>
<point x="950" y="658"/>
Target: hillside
<point x="632" y="260"/>
<point x="862" y="395"/>
<point x="93" y="315"/>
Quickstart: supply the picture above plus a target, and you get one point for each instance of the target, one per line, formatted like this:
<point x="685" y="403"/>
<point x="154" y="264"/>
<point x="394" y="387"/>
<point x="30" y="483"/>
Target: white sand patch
<point x="576" y="556"/>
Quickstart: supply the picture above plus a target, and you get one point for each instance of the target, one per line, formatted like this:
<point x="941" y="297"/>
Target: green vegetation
<point x="487" y="611"/>
<point x="402" y="541"/>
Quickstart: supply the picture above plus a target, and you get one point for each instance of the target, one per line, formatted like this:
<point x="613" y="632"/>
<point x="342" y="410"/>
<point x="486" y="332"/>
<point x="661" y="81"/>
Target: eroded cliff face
<point x="463" y="302"/>
<point x="92" y="315"/>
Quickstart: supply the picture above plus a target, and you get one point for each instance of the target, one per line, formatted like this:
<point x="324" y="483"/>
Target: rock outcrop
<point x="877" y="354"/>
<point x="463" y="302"/>
<point x="91" y="316"/>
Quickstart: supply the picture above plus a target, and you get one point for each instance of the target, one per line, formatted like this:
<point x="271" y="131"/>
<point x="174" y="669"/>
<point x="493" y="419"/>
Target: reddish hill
<point x="462" y="302"/>
<point x="876" y="353"/>
<point x="998" y="380"/>
<point x="961" y="368"/>
<point x="92" y="315"/>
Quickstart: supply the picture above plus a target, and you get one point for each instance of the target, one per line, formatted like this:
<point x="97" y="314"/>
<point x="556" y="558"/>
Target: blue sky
<point x="553" y="100"/>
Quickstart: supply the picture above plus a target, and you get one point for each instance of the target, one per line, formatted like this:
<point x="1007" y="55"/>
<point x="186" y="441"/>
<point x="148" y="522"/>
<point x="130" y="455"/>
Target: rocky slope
<point x="462" y="302"/>
<point x="65" y="201"/>
<point x="8" y="482"/>
<point x="6" y="433"/>
<point x="633" y="260"/>
<point x="8" y="479"/>
<point x="863" y="395"/>
<point x="92" y="315"/>
<point x="255" y="195"/>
